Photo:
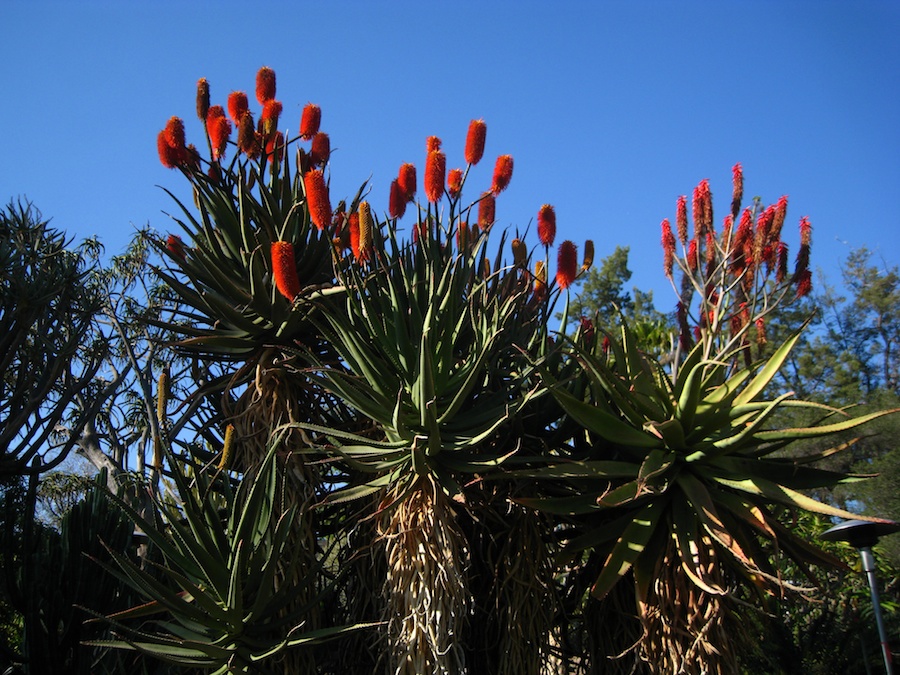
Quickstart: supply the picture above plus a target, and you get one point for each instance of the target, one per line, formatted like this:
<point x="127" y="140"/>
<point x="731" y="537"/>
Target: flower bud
<point x="202" y="98"/>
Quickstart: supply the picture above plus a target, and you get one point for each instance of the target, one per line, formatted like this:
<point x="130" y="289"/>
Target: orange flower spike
<point x="475" y="139"/>
<point x="265" y="85"/>
<point x="366" y="226"/>
<point x="435" y="171"/>
<point x="320" y="150"/>
<point x="454" y="182"/>
<point x="202" y="99"/>
<point x="546" y="226"/>
<point x="284" y="269"/>
<point x="503" y="170"/>
<point x="681" y="222"/>
<point x="406" y="179"/>
<point x="737" y="193"/>
<point x="310" y="120"/>
<point x="566" y="264"/>
<point x="397" y="201"/>
<point x="588" y="255"/>
<point x="219" y="129"/>
<point x="668" y="245"/>
<point x="169" y="157"/>
<point x="270" y="114"/>
<point x="487" y="208"/>
<point x="317" y="198"/>
<point x="175" y="133"/>
<point x="238" y="105"/>
<point x="432" y="144"/>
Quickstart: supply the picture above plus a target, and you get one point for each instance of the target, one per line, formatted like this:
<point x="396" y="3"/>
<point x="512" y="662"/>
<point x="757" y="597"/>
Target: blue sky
<point x="610" y="109"/>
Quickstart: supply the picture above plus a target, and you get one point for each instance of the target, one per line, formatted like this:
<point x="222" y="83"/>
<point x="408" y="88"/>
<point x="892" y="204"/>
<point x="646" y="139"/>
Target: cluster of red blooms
<point x="261" y="140"/>
<point x="740" y="258"/>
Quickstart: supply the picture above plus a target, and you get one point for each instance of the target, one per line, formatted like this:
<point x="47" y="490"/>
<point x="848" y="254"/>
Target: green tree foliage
<point x="47" y="355"/>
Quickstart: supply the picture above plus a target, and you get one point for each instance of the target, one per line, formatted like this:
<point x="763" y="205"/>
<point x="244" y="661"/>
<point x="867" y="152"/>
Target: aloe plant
<point x="678" y="484"/>
<point x="211" y="600"/>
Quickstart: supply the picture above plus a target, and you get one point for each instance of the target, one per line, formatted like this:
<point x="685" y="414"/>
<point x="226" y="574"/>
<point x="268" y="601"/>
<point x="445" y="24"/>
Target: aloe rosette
<point x="679" y="482"/>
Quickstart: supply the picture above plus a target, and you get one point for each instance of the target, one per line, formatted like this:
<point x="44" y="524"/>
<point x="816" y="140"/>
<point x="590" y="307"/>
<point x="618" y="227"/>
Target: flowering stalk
<point x="503" y="170"/>
<point x="475" y="139"/>
<point x="546" y="225"/>
<point x="317" y="198"/>
<point x="284" y="269"/>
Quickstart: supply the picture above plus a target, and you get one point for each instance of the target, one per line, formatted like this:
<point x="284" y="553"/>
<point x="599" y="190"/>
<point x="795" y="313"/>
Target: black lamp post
<point x="863" y="535"/>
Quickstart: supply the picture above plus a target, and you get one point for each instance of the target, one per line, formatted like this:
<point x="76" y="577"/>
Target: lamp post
<point x="863" y="535"/>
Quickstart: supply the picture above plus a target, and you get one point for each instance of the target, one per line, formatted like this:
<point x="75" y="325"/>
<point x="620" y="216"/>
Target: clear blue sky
<point x="610" y="109"/>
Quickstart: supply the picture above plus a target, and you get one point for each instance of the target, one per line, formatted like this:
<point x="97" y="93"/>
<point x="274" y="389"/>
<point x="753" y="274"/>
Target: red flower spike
<point x="320" y="150"/>
<point x="397" y="202"/>
<point x="238" y="106"/>
<point x="566" y="264"/>
<point x="668" y="245"/>
<point x="317" y="198"/>
<point x="202" y="99"/>
<point x="310" y="120"/>
<point x="778" y="221"/>
<point x="432" y="144"/>
<point x="546" y="225"/>
<point x="475" y="141"/>
<point x="681" y="223"/>
<point x="737" y="194"/>
<point x="692" y="256"/>
<point x="175" y="246"/>
<point x="265" y="85"/>
<point x="168" y="155"/>
<point x="270" y="114"/>
<point x="486" y="211"/>
<point x="454" y="182"/>
<point x="284" y="269"/>
<point x="353" y="227"/>
<point x="702" y="208"/>
<point x="406" y="179"/>
<point x="503" y="170"/>
<point x="435" y="171"/>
